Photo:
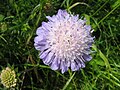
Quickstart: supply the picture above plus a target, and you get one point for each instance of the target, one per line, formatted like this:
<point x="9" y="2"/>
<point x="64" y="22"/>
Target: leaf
<point x="1" y="17"/>
<point x="116" y="3"/>
<point x="87" y="17"/>
<point x="99" y="62"/>
<point x="102" y="56"/>
<point x="105" y="59"/>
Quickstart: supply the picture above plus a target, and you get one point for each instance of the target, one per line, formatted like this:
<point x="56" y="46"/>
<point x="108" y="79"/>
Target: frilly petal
<point x="48" y="60"/>
<point x="63" y="66"/>
<point x="74" y="66"/>
<point x="44" y="54"/>
<point x="87" y="57"/>
<point x="55" y="64"/>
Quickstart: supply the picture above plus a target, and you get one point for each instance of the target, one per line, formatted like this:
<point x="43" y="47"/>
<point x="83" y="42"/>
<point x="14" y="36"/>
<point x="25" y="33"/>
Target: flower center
<point x="64" y="41"/>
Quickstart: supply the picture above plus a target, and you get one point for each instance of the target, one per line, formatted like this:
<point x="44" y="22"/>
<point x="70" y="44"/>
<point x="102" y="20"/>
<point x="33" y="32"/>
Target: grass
<point x="19" y="20"/>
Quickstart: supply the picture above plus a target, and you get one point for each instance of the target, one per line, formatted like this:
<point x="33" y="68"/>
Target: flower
<point x="8" y="78"/>
<point x="64" y="42"/>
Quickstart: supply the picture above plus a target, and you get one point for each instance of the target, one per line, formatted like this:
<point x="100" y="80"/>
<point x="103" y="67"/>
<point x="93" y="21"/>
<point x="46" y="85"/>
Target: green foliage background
<point x="19" y="20"/>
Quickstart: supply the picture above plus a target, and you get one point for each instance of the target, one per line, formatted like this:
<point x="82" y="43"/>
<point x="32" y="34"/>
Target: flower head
<point x="8" y="77"/>
<point x="64" y="41"/>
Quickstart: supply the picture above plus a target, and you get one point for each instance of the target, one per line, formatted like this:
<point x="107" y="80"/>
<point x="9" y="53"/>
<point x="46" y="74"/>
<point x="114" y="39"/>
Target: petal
<point x="64" y="13"/>
<point x="51" y="19"/>
<point x="38" y="38"/>
<point x="40" y="31"/>
<point x="74" y="66"/>
<point x="37" y="47"/>
<point x="86" y="57"/>
<point x="44" y="54"/>
<point x="44" y="47"/>
<point x="76" y="18"/>
<point x="63" y="66"/>
<point x="55" y="64"/>
<point x="46" y="26"/>
<point x="67" y="62"/>
<point x="87" y="27"/>
<point x="82" y="22"/>
<point x="41" y="45"/>
<point x="90" y="44"/>
<point x="80" y="60"/>
<point x="60" y="13"/>
<point x="78" y="63"/>
<point x="49" y="58"/>
<point x="42" y="42"/>
<point x="41" y="48"/>
<point x="82" y="65"/>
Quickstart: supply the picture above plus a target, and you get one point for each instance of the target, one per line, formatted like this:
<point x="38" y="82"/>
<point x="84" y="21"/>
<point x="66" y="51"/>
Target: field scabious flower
<point x="8" y="78"/>
<point x="64" y="42"/>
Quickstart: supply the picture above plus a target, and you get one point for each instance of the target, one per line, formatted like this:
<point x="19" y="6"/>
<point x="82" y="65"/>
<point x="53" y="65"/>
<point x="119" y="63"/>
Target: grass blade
<point x="68" y="82"/>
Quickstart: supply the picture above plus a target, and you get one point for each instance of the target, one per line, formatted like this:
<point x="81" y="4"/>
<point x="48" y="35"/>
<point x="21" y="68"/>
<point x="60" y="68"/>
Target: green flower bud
<point x="8" y="78"/>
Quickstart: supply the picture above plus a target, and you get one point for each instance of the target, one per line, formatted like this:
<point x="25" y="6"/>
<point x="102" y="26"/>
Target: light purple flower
<point x="64" y="41"/>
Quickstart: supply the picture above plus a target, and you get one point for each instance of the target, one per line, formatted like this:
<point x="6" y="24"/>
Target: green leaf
<point x="99" y="62"/>
<point x="1" y="17"/>
<point x="116" y="3"/>
<point x="88" y="19"/>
